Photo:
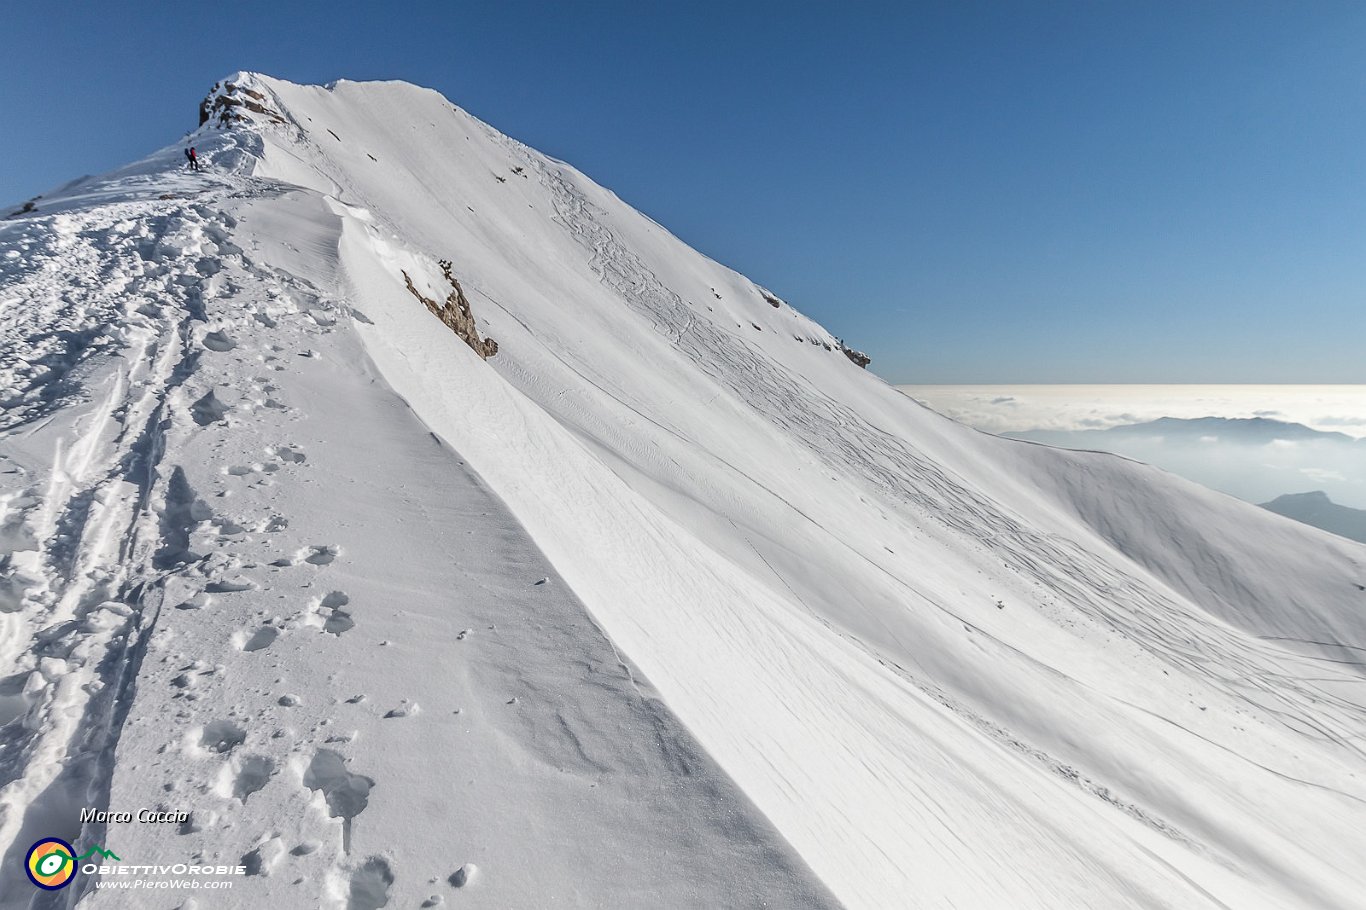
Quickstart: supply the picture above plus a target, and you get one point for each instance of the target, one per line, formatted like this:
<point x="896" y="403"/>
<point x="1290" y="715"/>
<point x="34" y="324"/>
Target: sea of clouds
<point x="1250" y="462"/>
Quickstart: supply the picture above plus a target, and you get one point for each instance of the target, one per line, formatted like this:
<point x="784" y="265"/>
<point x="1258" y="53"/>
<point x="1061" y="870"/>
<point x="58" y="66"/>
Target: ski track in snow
<point x="1117" y="602"/>
<point x="126" y="291"/>
<point x="911" y="665"/>
<point x="76" y="635"/>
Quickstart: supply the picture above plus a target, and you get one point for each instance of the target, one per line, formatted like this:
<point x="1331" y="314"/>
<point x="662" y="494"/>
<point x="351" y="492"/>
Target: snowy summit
<point x="401" y="519"/>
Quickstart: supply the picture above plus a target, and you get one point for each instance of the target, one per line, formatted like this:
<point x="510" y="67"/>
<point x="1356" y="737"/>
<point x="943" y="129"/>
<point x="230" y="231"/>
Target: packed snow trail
<point x="77" y="482"/>
<point x="946" y="669"/>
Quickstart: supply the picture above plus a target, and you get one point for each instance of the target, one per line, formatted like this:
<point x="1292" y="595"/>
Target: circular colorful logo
<point x="50" y="863"/>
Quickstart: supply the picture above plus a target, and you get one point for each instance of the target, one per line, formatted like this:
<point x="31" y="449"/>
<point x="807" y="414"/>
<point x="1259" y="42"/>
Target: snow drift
<point x="270" y="521"/>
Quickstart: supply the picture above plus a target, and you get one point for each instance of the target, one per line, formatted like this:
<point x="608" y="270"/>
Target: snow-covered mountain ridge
<point x="799" y="641"/>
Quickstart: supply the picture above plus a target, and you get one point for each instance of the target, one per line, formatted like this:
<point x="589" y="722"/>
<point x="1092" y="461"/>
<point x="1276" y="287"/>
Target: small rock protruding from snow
<point x="858" y="357"/>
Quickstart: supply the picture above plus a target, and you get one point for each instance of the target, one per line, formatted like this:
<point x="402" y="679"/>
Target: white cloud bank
<point x="1018" y="408"/>
<point x="1250" y="467"/>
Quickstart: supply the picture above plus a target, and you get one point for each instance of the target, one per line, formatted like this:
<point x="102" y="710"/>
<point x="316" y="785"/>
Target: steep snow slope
<point x="948" y="669"/>
<point x="242" y="578"/>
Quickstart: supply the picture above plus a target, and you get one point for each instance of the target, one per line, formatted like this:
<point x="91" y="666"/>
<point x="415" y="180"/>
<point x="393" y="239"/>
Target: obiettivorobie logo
<point x="51" y="863"/>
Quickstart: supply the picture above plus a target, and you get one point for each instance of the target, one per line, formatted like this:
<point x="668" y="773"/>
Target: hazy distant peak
<point x="1243" y="428"/>
<point x="1313" y="497"/>
<point x="1229" y="429"/>
<point x="1316" y="509"/>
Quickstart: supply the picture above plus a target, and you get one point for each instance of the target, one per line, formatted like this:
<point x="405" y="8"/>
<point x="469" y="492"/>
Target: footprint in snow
<point x="230" y="585"/>
<point x="197" y="821"/>
<point x="196" y="602"/>
<point x="190" y="676"/>
<point x="221" y="736"/>
<point x="334" y="599"/>
<point x="264" y="858"/>
<point x="183" y="682"/>
<point x="219" y="341"/>
<point x="337" y="622"/>
<point x="227" y="528"/>
<point x="370" y="885"/>
<point x="208" y="409"/>
<point x="320" y="555"/>
<point x="244" y="776"/>
<point x="330" y="614"/>
<point x="346" y="794"/>
<point x="261" y="639"/>
<point x="246" y="470"/>
<point x="291" y="454"/>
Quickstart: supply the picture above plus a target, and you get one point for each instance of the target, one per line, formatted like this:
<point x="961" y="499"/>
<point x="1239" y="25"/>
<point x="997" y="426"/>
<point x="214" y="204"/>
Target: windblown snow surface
<point x="668" y="604"/>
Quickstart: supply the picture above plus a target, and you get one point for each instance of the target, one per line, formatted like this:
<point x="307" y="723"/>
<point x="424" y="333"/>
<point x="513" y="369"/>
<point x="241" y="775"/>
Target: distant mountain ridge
<point x="1318" y="510"/>
<point x="1252" y="430"/>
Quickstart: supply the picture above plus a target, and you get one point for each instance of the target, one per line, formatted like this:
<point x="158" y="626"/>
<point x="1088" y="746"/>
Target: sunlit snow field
<point x="667" y="604"/>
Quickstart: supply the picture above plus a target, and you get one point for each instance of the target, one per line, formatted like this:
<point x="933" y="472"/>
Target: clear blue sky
<point x="1080" y="191"/>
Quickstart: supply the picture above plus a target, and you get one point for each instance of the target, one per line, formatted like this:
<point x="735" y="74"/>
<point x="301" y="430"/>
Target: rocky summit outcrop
<point x="455" y="312"/>
<point x="226" y="100"/>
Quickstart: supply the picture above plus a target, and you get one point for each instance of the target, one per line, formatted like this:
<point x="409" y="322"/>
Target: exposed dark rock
<point x="25" y="209"/>
<point x="455" y="313"/>
<point x="858" y="357"/>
